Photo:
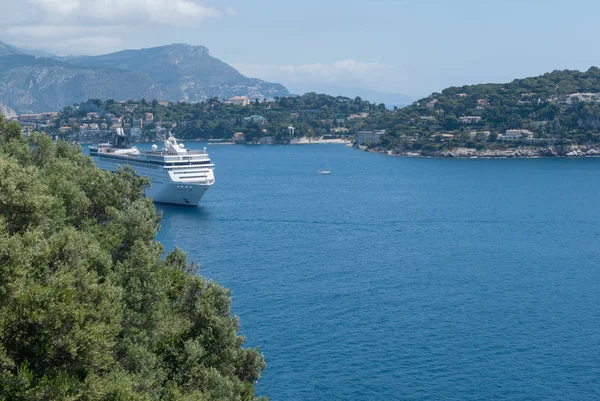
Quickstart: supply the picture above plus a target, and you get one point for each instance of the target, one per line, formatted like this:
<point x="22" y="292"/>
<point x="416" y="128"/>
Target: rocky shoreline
<point x="520" y="152"/>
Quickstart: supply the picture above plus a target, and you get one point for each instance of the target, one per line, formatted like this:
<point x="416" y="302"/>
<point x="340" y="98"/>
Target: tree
<point x="90" y="309"/>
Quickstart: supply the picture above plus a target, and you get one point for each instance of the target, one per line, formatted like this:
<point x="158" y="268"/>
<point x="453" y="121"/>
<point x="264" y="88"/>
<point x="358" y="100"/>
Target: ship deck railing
<point x="189" y="152"/>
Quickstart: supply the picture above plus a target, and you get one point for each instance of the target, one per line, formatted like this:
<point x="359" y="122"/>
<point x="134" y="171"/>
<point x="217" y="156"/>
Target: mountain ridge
<point x="177" y="72"/>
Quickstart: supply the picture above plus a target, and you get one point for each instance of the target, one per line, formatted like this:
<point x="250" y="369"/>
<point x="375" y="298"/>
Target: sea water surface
<point x="405" y="279"/>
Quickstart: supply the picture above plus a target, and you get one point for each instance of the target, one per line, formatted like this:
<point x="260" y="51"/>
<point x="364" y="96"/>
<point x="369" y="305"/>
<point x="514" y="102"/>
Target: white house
<point x="583" y="97"/>
<point x="369" y="136"/>
<point x="512" y="134"/>
<point x="469" y="119"/>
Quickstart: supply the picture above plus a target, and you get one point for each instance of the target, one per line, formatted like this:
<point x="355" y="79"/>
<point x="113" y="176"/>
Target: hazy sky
<point x="396" y="46"/>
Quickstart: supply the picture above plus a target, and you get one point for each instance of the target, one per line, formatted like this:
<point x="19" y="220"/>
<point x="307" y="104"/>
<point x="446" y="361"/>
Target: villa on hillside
<point x="431" y="104"/>
<point x="482" y="104"/>
<point x="239" y="101"/>
<point x="469" y="119"/>
<point x="583" y="97"/>
<point x="513" y="134"/>
<point x="369" y="136"/>
<point x="358" y="116"/>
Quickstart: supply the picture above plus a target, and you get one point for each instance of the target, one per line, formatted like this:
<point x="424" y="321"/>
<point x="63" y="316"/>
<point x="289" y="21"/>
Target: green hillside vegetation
<point x="310" y="114"/>
<point x="540" y="104"/>
<point x="89" y="308"/>
<point x="559" y="108"/>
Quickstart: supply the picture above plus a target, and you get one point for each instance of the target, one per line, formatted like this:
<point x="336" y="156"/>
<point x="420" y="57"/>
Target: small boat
<point x="325" y="170"/>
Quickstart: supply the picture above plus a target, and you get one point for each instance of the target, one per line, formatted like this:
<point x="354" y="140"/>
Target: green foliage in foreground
<point x="89" y="310"/>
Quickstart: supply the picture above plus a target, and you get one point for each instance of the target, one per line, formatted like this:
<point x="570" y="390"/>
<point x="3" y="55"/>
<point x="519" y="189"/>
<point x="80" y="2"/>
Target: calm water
<point x="397" y="278"/>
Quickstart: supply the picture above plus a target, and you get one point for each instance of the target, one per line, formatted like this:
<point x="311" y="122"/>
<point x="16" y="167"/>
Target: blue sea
<point x="405" y="279"/>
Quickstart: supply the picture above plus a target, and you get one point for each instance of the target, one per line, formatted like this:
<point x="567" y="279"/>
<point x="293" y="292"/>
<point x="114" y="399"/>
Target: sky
<point x="392" y="46"/>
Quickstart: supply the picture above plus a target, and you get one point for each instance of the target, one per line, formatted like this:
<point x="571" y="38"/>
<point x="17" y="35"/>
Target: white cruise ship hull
<point x="162" y="189"/>
<point x="177" y="193"/>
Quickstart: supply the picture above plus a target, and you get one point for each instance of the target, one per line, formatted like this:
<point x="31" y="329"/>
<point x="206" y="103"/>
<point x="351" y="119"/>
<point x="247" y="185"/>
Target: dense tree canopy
<point x="310" y="114"/>
<point x="89" y="309"/>
<point x="541" y="104"/>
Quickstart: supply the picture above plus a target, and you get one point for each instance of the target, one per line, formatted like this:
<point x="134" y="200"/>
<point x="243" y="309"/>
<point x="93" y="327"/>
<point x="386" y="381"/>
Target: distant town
<point x="146" y="121"/>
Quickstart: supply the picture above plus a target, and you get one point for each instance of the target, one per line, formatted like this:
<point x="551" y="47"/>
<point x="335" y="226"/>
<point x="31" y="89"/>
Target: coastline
<point x="574" y="151"/>
<point x="310" y="141"/>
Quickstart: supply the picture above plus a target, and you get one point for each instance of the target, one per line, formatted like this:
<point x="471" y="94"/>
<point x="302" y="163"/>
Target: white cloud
<point x="45" y="23"/>
<point x="168" y="12"/>
<point x="376" y="76"/>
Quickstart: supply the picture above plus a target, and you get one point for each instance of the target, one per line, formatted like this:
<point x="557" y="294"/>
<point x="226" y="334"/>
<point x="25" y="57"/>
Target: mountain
<point x="176" y="72"/>
<point x="185" y="72"/>
<point x="30" y="84"/>
<point x="6" y="49"/>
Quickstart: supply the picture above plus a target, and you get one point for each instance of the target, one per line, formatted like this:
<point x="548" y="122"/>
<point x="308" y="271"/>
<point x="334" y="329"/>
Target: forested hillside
<point x="558" y="106"/>
<point x="89" y="309"/>
<point x="310" y="115"/>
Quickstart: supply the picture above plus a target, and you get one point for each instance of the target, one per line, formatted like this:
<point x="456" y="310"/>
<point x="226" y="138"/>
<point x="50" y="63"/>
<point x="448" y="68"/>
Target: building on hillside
<point x="482" y="104"/>
<point x="148" y="117"/>
<point x="92" y="116"/>
<point x="358" y="116"/>
<point x="93" y="126"/>
<point x="431" y="104"/>
<point x="41" y="118"/>
<point x="340" y="130"/>
<point x="513" y="134"/>
<point x="239" y="137"/>
<point x="137" y="122"/>
<point x="163" y="103"/>
<point x="135" y="132"/>
<point x="369" y="136"/>
<point x="239" y="101"/>
<point x="469" y="119"/>
<point x="255" y="119"/>
<point x="446" y="137"/>
<point x="583" y="97"/>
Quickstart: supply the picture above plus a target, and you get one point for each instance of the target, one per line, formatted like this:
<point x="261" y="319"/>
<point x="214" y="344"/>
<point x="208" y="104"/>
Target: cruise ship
<point x="178" y="175"/>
